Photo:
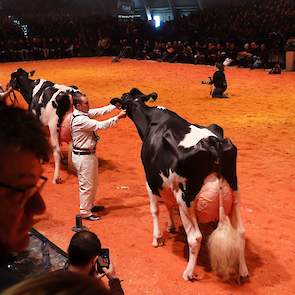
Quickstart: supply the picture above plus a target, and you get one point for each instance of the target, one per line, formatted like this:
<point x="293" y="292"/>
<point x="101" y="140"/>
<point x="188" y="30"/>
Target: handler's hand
<point x="122" y="114"/>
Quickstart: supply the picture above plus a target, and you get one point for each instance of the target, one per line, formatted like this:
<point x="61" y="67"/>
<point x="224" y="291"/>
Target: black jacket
<point x="8" y="276"/>
<point x="219" y="80"/>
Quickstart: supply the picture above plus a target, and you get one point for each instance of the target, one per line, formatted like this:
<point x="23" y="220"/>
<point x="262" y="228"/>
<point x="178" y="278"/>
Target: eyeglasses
<point x="26" y="193"/>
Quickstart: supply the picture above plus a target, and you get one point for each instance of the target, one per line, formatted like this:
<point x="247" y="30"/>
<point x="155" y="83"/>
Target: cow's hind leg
<point x="171" y="224"/>
<point x="56" y="151"/>
<point x="194" y="236"/>
<point x="154" y="208"/>
<point x="237" y="223"/>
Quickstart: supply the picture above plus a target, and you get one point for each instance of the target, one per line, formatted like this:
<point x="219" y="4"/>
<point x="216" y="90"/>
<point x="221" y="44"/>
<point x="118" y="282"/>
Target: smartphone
<point x="103" y="259"/>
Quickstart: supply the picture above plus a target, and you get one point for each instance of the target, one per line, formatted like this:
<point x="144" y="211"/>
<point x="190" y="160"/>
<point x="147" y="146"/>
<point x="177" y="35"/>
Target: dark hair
<point x="21" y="130"/>
<point x="83" y="246"/>
<point x="76" y="96"/>
<point x="219" y="66"/>
<point x="58" y="282"/>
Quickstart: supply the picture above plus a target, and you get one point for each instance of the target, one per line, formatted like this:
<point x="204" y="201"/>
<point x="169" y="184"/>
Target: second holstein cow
<point x="49" y="102"/>
<point x="193" y="168"/>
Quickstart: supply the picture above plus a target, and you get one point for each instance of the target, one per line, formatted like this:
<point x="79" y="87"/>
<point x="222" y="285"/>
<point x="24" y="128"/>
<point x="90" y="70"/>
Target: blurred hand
<point x="110" y="272"/>
<point x="122" y="114"/>
<point x="118" y="106"/>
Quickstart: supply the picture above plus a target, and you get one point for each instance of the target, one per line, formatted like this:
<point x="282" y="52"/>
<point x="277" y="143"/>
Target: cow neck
<point x="26" y="90"/>
<point x="141" y="117"/>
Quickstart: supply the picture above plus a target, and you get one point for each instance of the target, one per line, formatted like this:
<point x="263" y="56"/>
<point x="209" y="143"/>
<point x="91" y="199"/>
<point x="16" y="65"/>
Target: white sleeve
<point x="88" y="124"/>
<point x="101" y="111"/>
<point x="107" y="123"/>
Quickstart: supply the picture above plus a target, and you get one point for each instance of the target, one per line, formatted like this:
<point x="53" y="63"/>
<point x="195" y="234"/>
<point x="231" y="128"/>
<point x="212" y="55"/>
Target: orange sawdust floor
<point x="258" y="117"/>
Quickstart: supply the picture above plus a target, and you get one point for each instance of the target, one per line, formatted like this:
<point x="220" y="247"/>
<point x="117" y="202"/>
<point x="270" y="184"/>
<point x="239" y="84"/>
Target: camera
<point x="209" y="82"/>
<point x="103" y="260"/>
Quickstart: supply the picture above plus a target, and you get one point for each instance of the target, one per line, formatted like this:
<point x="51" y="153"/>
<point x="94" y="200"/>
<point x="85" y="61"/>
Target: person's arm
<point x="101" y="111"/>
<point x="114" y="281"/>
<point x="88" y="124"/>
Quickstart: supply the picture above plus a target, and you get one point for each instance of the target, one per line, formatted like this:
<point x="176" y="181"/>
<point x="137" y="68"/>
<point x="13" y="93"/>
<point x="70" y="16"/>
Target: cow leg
<point x="237" y="223"/>
<point x="171" y="224"/>
<point x="56" y="151"/>
<point x="194" y="236"/>
<point x="158" y="240"/>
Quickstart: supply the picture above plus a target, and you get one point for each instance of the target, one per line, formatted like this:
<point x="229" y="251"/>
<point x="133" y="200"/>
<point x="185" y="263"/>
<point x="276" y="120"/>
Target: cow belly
<point x="207" y="201"/>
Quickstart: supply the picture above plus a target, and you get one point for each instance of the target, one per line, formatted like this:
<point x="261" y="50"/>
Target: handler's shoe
<point x="97" y="208"/>
<point x="92" y="218"/>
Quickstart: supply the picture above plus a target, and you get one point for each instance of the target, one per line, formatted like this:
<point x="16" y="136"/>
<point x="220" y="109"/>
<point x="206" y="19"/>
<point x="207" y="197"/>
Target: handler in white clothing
<point x="84" y="139"/>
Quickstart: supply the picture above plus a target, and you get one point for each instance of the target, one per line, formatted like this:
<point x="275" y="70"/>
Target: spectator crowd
<point x="250" y="35"/>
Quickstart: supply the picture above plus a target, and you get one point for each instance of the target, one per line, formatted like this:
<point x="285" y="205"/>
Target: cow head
<point x="19" y="78"/>
<point x="132" y="98"/>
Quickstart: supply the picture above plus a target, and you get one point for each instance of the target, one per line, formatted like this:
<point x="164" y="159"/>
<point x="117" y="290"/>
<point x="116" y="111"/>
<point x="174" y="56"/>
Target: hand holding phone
<point x="103" y="260"/>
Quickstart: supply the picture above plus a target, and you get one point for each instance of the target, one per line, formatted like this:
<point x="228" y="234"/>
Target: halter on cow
<point x="193" y="168"/>
<point x="49" y="102"/>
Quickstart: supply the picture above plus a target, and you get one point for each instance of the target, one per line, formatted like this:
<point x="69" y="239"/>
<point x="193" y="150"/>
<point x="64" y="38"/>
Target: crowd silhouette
<point x="251" y="35"/>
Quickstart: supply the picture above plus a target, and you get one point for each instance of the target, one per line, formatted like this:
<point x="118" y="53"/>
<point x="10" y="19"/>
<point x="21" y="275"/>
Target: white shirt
<point x="83" y="126"/>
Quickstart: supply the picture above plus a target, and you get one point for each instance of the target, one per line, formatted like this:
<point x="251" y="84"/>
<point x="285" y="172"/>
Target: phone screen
<point x="103" y="259"/>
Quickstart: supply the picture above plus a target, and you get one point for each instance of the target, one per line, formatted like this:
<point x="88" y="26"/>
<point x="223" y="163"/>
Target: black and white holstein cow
<point x="49" y="102"/>
<point x="193" y="168"/>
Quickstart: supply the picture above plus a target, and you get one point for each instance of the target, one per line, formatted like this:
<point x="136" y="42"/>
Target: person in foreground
<point x="84" y="138"/>
<point x="58" y="283"/>
<point x="23" y="145"/>
<point x="84" y="255"/>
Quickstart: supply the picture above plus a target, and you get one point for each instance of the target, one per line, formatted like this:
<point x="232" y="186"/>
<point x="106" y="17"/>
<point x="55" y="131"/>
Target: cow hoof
<point x="171" y="229"/>
<point x="243" y="279"/>
<point x="57" y="181"/>
<point x="187" y="276"/>
<point x="158" y="242"/>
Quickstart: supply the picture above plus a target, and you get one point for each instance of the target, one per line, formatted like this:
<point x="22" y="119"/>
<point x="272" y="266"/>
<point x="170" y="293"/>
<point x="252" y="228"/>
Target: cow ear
<point x="116" y="102"/>
<point x="32" y="73"/>
<point x="153" y="96"/>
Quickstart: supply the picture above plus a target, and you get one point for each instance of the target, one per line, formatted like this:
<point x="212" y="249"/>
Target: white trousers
<point x="87" y="171"/>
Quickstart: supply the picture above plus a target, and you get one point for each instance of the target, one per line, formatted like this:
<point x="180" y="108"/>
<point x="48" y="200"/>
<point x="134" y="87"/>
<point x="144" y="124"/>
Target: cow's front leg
<point x="194" y="236"/>
<point x="154" y="208"/>
<point x="56" y="151"/>
<point x="237" y="223"/>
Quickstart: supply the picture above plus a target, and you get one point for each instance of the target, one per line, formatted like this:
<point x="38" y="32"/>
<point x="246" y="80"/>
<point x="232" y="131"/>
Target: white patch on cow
<point x="34" y="112"/>
<point x="161" y="108"/>
<point x="41" y="98"/>
<point x="38" y="86"/>
<point x="195" y="135"/>
<point x="63" y="87"/>
<point x="48" y="114"/>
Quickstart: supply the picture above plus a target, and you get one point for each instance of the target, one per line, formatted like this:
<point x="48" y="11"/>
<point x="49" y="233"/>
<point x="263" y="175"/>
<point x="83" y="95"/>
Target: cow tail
<point x="224" y="244"/>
